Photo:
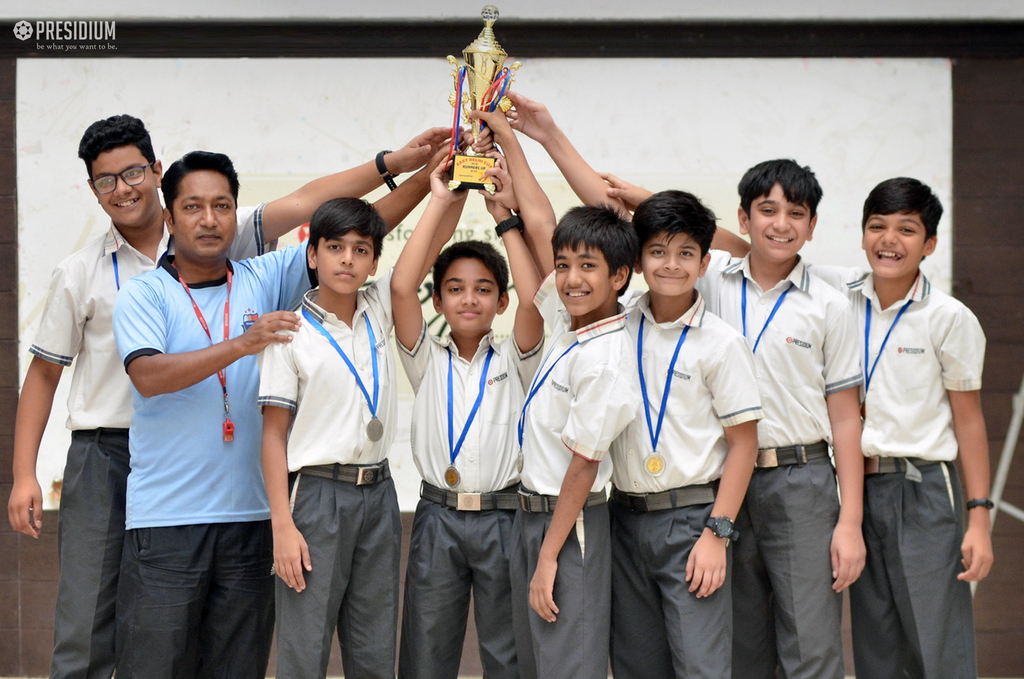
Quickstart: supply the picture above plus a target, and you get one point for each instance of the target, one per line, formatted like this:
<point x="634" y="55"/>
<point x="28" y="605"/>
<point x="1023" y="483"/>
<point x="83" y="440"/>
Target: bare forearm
<point x="572" y="497"/>
<point x="33" y="412"/>
<point x="972" y="439"/>
<point x="739" y="465"/>
<point x="167" y="373"/>
<point x="586" y="183"/>
<point x="274" y="455"/>
<point x="849" y="469"/>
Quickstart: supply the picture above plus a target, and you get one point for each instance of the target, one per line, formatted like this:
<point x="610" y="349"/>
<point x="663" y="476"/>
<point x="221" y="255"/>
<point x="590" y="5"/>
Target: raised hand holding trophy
<point x="479" y="85"/>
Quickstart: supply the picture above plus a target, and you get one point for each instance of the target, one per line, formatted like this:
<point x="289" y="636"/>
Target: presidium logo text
<point x="67" y="36"/>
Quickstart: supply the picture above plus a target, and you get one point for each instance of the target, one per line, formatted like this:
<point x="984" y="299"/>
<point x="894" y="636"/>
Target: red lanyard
<point x="229" y="427"/>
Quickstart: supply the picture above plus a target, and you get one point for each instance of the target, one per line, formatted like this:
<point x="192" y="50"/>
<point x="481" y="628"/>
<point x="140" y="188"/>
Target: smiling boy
<point x="923" y="356"/>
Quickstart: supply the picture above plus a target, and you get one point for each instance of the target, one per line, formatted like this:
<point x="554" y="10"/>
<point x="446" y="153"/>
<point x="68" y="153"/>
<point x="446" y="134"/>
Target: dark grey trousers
<point x="354" y="535"/>
<point x="785" y="613"/>
<point x="660" y="629"/>
<point x="575" y="646"/>
<point x="452" y="553"/>
<point x="911" y="616"/>
<point x="90" y="535"/>
<point x="196" y="601"/>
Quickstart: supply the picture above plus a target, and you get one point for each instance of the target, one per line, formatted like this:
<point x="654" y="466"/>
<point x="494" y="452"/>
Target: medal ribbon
<point x="536" y="386"/>
<point x="457" y="117"/>
<point x="371" y="403"/>
<point x="743" y="311"/>
<point x="228" y="427"/>
<point x="656" y="433"/>
<point x="117" y="278"/>
<point x="454" y="448"/>
<point x="867" y="342"/>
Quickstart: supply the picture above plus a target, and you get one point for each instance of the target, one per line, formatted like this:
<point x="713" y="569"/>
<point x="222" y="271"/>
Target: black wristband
<point x="981" y="502"/>
<point x="382" y="168"/>
<point x="513" y="222"/>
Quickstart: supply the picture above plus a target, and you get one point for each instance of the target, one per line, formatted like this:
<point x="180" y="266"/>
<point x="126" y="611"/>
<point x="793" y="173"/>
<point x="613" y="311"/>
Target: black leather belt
<point x="789" y="455"/>
<point x="687" y="496"/>
<point x="894" y="465"/>
<point x="507" y="498"/>
<point x="359" y="474"/>
<point x="542" y="504"/>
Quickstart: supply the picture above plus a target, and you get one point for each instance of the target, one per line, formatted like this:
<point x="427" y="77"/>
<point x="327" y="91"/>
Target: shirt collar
<point x="114" y="241"/>
<point x="322" y="315"/>
<point x="799" y="276"/>
<point x="693" y="317"/>
<point x="921" y="288"/>
<point x="167" y="264"/>
<point x="602" y="327"/>
<point x="486" y="341"/>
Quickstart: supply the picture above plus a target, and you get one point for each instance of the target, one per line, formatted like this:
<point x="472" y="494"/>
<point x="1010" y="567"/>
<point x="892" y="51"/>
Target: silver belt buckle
<point x="468" y="502"/>
<point x="366" y="475"/>
<point x="767" y="457"/>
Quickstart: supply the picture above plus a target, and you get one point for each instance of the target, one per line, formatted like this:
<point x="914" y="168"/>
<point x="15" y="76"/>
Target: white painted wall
<point x="522" y="9"/>
<point x="691" y="124"/>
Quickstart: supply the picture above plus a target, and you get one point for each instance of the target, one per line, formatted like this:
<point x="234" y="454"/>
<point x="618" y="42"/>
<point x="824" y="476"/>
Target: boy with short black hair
<point x="680" y="472"/>
<point x="923" y="357"/>
<point x="470" y="389"/>
<point x="329" y="407"/>
<point x="125" y="177"/>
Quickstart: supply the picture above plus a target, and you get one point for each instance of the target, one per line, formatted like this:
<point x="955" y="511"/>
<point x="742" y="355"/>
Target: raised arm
<point x="435" y="227"/>
<point x="528" y="328"/>
<point x="533" y="119"/>
<point x="535" y="209"/>
<point x="284" y="214"/>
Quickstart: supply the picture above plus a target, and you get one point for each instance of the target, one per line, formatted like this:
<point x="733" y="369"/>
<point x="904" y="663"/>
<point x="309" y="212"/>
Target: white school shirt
<point x="487" y="458"/>
<point x="308" y="377"/>
<point x="808" y="351"/>
<point x="586" y="401"/>
<point x="78" y="318"/>
<point x="937" y="346"/>
<point x="713" y="387"/>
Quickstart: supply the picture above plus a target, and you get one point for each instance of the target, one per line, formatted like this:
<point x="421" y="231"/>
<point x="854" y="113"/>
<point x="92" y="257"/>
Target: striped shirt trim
<point x="276" y="401"/>
<point x="531" y="352"/>
<point x="843" y="385"/>
<point x="922" y="286"/>
<point x="799" y="276"/>
<point x="961" y="385"/>
<point x="858" y="283"/>
<point x="310" y="306"/>
<point x="257" y="219"/>
<point x="602" y="327"/>
<point x="583" y="451"/>
<point x="50" y="356"/>
<point x="741" y="416"/>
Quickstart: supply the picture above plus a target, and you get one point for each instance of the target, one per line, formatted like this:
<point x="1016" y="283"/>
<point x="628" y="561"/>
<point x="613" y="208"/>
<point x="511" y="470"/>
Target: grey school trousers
<point x="90" y="537"/>
<point x="452" y="552"/>
<point x="575" y="646"/>
<point x="659" y="628"/>
<point x="911" y="616"/>
<point x="784" y="610"/>
<point x="354" y="535"/>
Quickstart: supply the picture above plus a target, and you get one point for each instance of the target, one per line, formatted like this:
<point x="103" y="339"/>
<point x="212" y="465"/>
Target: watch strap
<point x="382" y="169"/>
<point x="513" y="222"/>
<point x="981" y="502"/>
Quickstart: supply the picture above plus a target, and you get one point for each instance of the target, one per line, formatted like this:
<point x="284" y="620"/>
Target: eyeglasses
<point x="133" y="176"/>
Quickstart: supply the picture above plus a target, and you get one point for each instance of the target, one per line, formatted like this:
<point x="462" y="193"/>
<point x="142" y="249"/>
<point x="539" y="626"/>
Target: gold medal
<point x="375" y="430"/>
<point x="654" y="464"/>
<point x="519" y="461"/>
<point x="451" y="476"/>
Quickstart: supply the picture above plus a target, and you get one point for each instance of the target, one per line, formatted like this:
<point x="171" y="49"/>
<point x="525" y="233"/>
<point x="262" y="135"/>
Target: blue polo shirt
<point x="182" y="471"/>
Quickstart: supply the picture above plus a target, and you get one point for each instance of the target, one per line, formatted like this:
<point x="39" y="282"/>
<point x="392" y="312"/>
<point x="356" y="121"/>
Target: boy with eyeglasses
<point x="125" y="177"/>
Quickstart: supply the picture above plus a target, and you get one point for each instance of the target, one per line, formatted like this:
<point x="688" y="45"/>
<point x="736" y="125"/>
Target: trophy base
<point x="468" y="173"/>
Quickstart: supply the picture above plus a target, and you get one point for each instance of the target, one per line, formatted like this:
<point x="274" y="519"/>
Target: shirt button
<point x="632" y="451"/>
<point x="636" y="486"/>
<point x="762" y="301"/>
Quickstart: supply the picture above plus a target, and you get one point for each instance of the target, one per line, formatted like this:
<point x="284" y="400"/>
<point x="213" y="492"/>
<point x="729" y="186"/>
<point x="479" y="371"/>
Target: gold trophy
<point x="479" y="85"/>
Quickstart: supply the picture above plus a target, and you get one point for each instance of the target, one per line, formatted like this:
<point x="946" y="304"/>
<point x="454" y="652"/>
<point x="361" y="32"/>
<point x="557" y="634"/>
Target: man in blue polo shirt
<point x="195" y="597"/>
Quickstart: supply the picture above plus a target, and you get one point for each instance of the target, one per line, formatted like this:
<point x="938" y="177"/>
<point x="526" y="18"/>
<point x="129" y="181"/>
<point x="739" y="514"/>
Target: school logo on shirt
<point x="498" y="378"/>
<point x="910" y="350"/>
<point x="680" y="375"/>
<point x="249" y="319"/>
<point x="559" y="387"/>
<point x="800" y="343"/>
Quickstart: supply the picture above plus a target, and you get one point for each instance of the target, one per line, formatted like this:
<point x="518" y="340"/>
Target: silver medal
<point x="519" y="461"/>
<point x="375" y="430"/>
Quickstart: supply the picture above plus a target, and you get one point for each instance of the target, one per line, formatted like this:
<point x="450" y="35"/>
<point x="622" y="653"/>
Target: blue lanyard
<point x="454" y="448"/>
<point x="656" y="433"/>
<point x="536" y="386"/>
<point x="373" y="354"/>
<point x="867" y="342"/>
<point x="743" y="310"/>
<point x="117" y="278"/>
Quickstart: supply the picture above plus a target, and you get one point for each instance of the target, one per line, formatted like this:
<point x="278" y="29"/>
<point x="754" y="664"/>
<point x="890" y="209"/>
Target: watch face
<point x="722" y="526"/>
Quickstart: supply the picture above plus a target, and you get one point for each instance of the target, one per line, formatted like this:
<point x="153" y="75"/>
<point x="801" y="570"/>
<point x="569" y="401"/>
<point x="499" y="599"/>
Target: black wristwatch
<point x="981" y="502"/>
<point x="513" y="222"/>
<point x="721" y="526"/>
<point x="382" y="168"/>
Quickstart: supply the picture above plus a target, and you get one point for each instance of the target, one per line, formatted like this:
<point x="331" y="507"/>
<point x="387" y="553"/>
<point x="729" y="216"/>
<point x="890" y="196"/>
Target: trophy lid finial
<point x="489" y="15"/>
<point x="486" y="43"/>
